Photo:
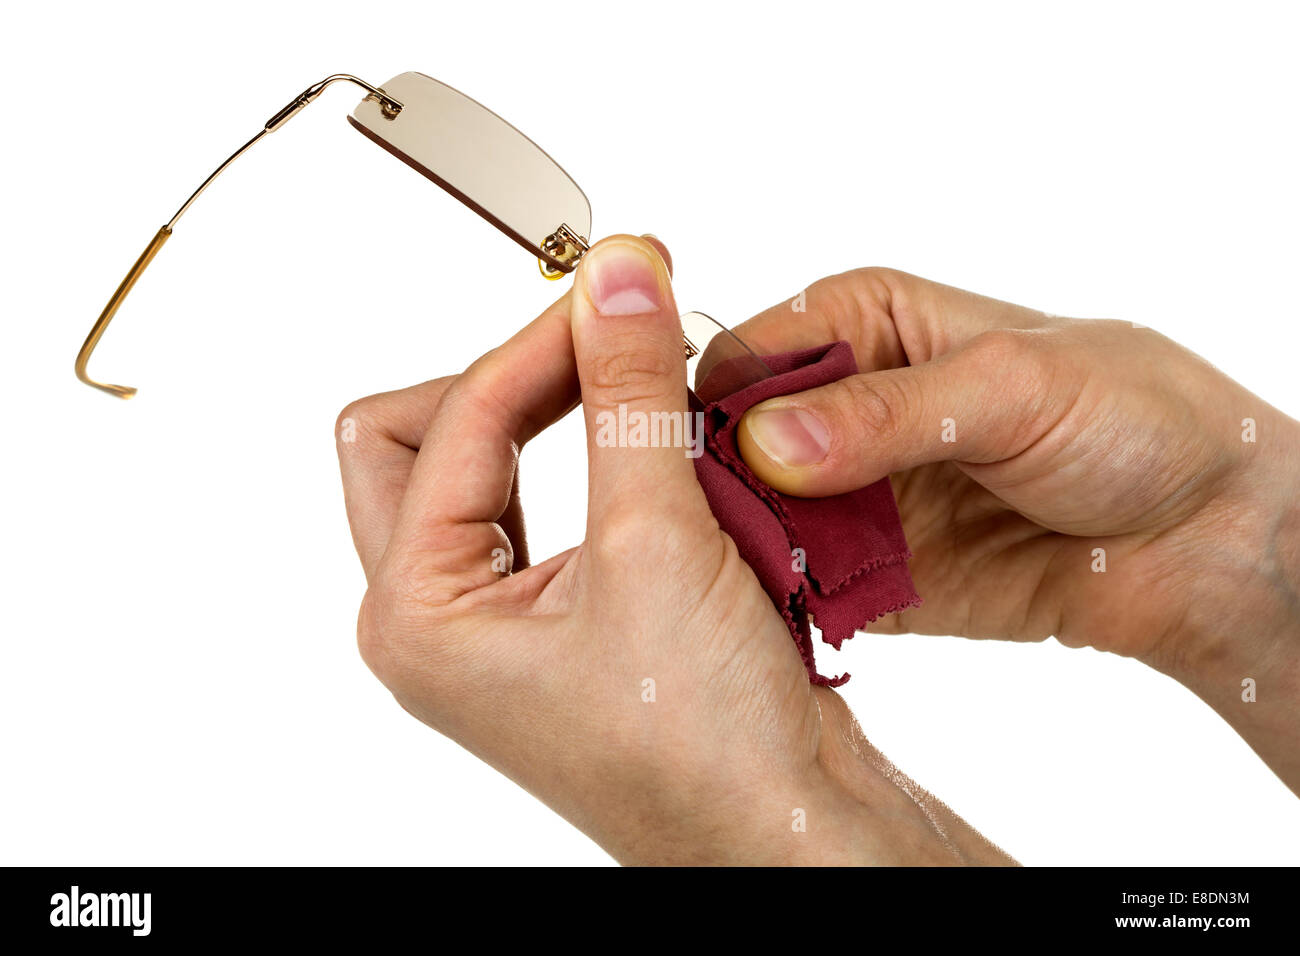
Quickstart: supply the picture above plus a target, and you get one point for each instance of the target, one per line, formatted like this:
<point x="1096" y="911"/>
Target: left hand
<point x="543" y="671"/>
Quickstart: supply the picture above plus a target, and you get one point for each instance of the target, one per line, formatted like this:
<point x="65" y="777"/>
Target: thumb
<point x="627" y="341"/>
<point x="985" y="402"/>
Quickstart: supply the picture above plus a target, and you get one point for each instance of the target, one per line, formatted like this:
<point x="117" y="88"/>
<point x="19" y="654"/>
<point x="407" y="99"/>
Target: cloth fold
<point x="839" y="561"/>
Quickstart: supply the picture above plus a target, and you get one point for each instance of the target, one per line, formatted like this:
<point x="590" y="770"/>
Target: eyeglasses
<point x="466" y="149"/>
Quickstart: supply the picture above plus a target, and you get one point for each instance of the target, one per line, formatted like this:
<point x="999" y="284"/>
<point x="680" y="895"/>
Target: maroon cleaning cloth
<point x="854" y="554"/>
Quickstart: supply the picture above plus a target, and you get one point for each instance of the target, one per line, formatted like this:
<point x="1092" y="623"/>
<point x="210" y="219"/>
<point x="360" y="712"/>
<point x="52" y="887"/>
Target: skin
<point x="1070" y="435"/>
<point x="541" y="670"/>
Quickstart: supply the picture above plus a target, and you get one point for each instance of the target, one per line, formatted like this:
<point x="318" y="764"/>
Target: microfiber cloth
<point x="842" y="560"/>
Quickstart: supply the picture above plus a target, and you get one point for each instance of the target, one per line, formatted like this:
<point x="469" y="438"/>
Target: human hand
<point x="1084" y="479"/>
<point x="543" y="671"/>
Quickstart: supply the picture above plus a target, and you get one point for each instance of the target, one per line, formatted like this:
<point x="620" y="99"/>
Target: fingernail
<point x="621" y="280"/>
<point x="791" y="437"/>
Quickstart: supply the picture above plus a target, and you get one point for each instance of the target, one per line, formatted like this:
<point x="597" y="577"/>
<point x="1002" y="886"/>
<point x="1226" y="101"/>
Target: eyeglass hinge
<point x="389" y="106"/>
<point x="565" y="245"/>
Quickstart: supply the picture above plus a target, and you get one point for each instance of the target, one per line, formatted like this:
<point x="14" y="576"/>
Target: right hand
<point x="1026" y="449"/>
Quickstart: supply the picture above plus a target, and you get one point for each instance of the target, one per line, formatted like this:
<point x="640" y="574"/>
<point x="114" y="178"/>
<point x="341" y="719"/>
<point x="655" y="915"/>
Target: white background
<point x="178" y="679"/>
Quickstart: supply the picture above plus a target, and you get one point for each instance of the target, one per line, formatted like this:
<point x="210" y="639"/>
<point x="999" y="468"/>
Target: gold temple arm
<point x="105" y="317"/>
<point x="391" y="108"/>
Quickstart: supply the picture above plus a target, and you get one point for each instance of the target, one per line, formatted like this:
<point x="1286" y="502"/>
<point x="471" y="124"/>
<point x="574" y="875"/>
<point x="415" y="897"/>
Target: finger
<point x="512" y="523"/>
<point x="661" y="249"/>
<point x="632" y="368"/>
<point x="986" y="402"/>
<point x="891" y="318"/>
<point x="449" y="522"/>
<point x="377" y="439"/>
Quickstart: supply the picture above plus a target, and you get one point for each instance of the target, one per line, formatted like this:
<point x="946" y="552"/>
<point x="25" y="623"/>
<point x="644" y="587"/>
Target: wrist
<point x="1237" y="645"/>
<point x="874" y="815"/>
<point x="848" y="807"/>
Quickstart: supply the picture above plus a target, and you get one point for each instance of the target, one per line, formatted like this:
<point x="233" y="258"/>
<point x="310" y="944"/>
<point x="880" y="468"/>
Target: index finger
<point x="460" y="485"/>
<point x="891" y="318"/>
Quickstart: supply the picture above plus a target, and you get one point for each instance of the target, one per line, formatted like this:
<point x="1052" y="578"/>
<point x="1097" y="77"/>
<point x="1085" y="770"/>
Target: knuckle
<point x="622" y="536"/>
<point x="850" y="295"/>
<point x="348" y="425"/>
<point x="878" y="404"/>
<point x="630" y="374"/>
<point x="391" y="624"/>
<point x="1019" y="358"/>
<point x="1003" y="346"/>
<point x="636" y="537"/>
<point x="874" y="282"/>
<point x="375" y="633"/>
<point x="410" y="646"/>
